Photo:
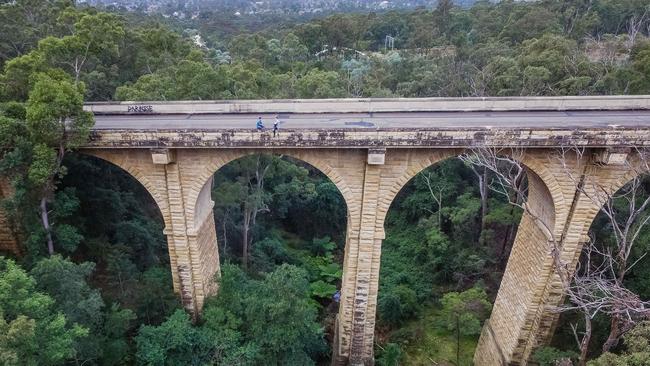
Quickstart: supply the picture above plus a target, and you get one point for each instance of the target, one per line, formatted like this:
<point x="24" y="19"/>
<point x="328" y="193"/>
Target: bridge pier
<point x="380" y="174"/>
<point x="194" y="255"/>
<point x="523" y="316"/>
<point x="187" y="214"/>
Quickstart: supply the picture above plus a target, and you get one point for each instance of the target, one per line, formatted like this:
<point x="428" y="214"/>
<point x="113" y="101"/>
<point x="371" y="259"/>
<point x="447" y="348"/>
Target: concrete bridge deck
<point x="426" y="122"/>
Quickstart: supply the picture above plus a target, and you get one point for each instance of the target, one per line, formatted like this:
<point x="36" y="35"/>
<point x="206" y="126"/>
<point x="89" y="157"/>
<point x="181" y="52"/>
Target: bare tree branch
<point x="596" y="286"/>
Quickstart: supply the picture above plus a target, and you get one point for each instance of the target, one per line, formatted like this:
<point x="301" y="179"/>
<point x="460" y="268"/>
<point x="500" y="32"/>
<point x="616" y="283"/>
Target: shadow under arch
<point x="327" y="162"/>
<point x="343" y="167"/>
<point x="136" y="163"/>
<point x="129" y="162"/>
<point x="202" y="208"/>
<point x="516" y="318"/>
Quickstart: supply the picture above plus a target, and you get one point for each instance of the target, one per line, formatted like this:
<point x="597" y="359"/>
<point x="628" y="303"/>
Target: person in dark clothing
<point x="276" y="125"/>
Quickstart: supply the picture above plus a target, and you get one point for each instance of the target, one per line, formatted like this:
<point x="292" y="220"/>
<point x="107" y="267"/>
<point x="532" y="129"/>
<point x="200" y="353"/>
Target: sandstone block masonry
<point x="180" y="181"/>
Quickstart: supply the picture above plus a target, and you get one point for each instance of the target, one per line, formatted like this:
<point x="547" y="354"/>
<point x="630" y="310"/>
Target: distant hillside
<point x="267" y="6"/>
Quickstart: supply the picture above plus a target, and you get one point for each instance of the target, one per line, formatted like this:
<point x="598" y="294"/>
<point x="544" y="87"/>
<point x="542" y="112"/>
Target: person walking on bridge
<point x="276" y="125"/>
<point x="259" y="125"/>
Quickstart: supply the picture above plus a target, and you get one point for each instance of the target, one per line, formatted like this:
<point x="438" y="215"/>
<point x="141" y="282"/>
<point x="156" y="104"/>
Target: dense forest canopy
<point x="509" y="48"/>
<point x="93" y="284"/>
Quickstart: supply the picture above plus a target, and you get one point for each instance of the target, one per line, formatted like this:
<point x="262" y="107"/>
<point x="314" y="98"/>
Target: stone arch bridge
<point x="370" y="149"/>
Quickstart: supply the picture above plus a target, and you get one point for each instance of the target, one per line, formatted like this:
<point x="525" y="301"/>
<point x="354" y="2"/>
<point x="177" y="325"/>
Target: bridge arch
<point x="516" y="319"/>
<point x="414" y="162"/>
<point x="342" y="168"/>
<point x="181" y="186"/>
<point x="134" y="162"/>
<point x="326" y="161"/>
<point x="137" y="163"/>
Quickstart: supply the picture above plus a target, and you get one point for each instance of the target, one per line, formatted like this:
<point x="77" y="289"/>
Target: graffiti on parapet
<point x="140" y="109"/>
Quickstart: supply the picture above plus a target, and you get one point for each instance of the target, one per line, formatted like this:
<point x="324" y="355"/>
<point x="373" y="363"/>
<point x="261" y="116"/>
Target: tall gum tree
<point x="56" y="123"/>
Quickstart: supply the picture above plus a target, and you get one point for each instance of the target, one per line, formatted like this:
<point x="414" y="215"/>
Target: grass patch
<point x="425" y="342"/>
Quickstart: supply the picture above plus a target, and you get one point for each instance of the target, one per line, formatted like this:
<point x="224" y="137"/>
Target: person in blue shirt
<point x="337" y="296"/>
<point x="259" y="125"/>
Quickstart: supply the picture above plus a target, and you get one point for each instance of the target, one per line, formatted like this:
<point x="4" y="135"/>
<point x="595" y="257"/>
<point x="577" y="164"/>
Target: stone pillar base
<point x="339" y="359"/>
<point x="488" y="352"/>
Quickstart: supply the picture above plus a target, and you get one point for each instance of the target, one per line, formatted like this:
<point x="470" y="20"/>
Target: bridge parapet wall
<point x="377" y="105"/>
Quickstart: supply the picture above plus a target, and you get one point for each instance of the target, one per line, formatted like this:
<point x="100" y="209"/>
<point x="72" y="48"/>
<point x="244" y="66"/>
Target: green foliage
<point x="275" y="314"/>
<point x="55" y="123"/>
<point x="501" y="48"/>
<point x="391" y="355"/>
<point x="55" y="115"/>
<point x="268" y="321"/>
<point x="549" y="356"/>
<point x="641" y="65"/>
<point x="320" y="84"/>
<point x="322" y="246"/>
<point x="401" y="303"/>
<point x="174" y="342"/>
<point x="284" y="195"/>
<point x="67" y="283"/>
<point x="32" y="332"/>
<point x="331" y="271"/>
<point x="155" y="298"/>
<point x="637" y="349"/>
<point x="115" y="347"/>
<point x="14" y="110"/>
<point x="422" y="340"/>
<point x="429" y="248"/>
<point x="322" y="289"/>
<point x="464" y="312"/>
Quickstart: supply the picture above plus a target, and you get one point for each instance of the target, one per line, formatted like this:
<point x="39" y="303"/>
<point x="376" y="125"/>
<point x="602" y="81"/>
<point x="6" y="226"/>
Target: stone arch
<point x="344" y="167"/>
<point x="518" y="314"/>
<point x="139" y="164"/>
<point x="416" y="161"/>
<point x="609" y="179"/>
<point x="135" y="163"/>
<point x="325" y="161"/>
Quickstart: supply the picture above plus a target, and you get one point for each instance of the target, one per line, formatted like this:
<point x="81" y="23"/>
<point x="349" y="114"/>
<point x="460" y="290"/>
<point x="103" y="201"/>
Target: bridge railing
<point x="376" y="105"/>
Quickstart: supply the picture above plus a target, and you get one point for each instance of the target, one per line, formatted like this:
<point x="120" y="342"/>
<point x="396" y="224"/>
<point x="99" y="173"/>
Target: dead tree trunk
<point x="45" y="221"/>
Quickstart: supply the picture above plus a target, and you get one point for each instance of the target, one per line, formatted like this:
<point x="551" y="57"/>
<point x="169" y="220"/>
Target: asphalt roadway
<point x="401" y="120"/>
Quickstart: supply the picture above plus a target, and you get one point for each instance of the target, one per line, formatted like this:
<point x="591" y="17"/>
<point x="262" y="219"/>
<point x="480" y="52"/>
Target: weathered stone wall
<point x="352" y="138"/>
<point x="205" y="255"/>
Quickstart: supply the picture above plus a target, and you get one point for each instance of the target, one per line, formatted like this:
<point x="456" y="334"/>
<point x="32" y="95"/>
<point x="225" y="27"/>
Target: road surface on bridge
<point x="384" y="120"/>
